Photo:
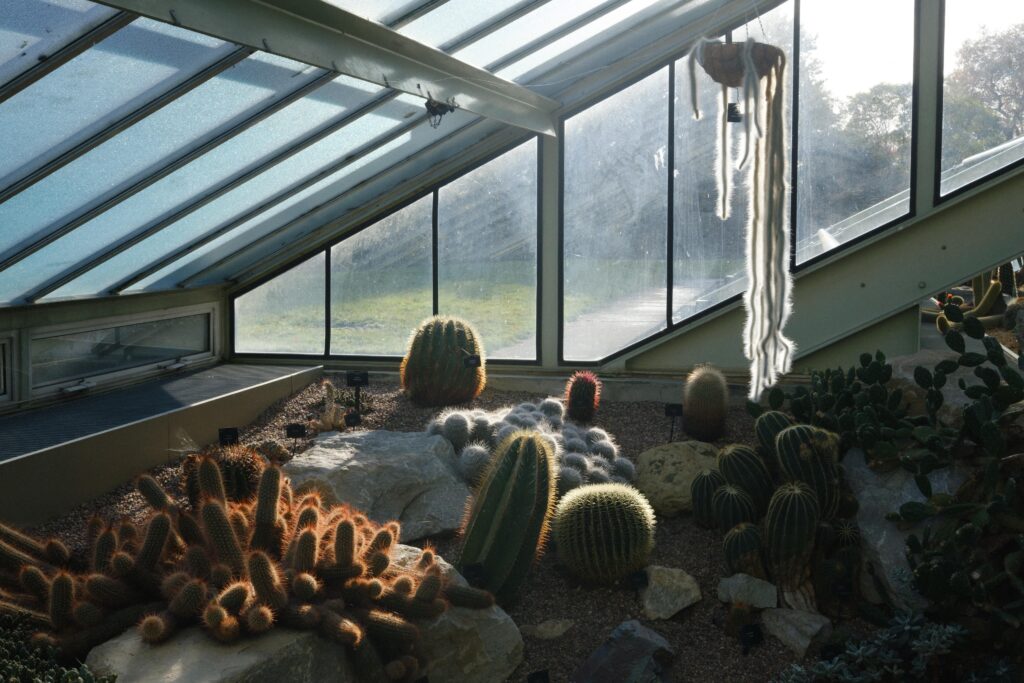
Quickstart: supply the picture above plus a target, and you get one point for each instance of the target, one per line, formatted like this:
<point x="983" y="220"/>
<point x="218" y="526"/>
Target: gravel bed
<point x="704" y="651"/>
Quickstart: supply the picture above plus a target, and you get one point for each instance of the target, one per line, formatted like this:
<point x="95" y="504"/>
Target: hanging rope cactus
<point x="759" y="70"/>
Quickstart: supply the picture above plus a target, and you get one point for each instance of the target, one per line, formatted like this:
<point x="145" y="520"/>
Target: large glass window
<point x="487" y="252"/>
<point x="284" y="315"/>
<point x="88" y="353"/>
<point x="381" y="283"/>
<point x="983" y="90"/>
<point x="614" y="222"/>
<point x="853" y="165"/>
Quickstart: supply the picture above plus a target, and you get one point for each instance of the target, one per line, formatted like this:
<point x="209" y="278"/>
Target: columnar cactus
<point x="705" y="403"/>
<point x="742" y="548"/>
<point x="506" y="528"/>
<point x="810" y="454"/>
<point x="732" y="505"/>
<point x="743" y="467"/>
<point x="582" y="396"/>
<point x="604" y="531"/>
<point x="789" y="532"/>
<point x="702" y="491"/>
<point x="437" y="369"/>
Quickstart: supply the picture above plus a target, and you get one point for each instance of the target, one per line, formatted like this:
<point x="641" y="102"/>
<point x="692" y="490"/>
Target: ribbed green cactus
<point x="604" y="531"/>
<point x="732" y="505"/>
<point x="705" y="403"/>
<point x="809" y="454"/>
<point x="767" y="428"/>
<point x="742" y="467"/>
<point x="702" y="491"/>
<point x="507" y="526"/>
<point x="742" y="547"/>
<point x="789" y="532"/>
<point x="435" y="371"/>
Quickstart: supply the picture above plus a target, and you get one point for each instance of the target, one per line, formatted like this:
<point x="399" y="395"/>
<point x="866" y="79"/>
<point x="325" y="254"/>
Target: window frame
<point x="212" y="310"/>
<point x="8" y="357"/>
<point x="432" y="191"/>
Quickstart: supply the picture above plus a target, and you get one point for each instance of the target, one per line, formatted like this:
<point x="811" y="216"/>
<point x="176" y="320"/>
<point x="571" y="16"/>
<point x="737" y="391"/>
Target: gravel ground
<point x="704" y="651"/>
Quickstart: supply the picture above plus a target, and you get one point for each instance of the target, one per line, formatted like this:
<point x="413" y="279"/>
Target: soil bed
<point x="703" y="651"/>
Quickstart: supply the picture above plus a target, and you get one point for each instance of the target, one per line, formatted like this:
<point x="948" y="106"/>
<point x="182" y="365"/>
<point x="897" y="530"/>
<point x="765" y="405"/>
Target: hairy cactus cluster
<point x="240" y="469"/>
<point x="235" y="568"/>
<point x="586" y="455"/>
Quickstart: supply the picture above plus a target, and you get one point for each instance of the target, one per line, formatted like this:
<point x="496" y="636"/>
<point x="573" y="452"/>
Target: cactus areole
<point x="444" y="364"/>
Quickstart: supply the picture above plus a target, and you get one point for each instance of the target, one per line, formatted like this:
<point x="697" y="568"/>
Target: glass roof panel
<point x="130" y="68"/>
<point x="326" y="190"/>
<point x="453" y="19"/>
<point x="383" y="11"/>
<point x="153" y="142"/>
<point x="31" y="30"/>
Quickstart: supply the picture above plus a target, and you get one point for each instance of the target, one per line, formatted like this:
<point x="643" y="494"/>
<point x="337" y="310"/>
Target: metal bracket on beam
<point x="315" y="32"/>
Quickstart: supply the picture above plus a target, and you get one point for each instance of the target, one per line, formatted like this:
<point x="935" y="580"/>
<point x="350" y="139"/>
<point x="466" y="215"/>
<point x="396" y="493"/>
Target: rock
<point x="883" y="542"/>
<point x="465" y="645"/>
<point x="748" y="590"/>
<point x="664" y="473"/>
<point x="632" y="654"/>
<point x="801" y="632"/>
<point x="548" y="630"/>
<point x="408" y="476"/>
<point x="191" y="655"/>
<point x="668" y="590"/>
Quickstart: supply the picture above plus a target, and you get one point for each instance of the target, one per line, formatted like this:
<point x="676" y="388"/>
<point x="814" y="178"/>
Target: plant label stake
<point x="353" y="418"/>
<point x="471" y="360"/>
<point x="672" y="411"/>
<point x="295" y="431"/>
<point x="357" y="379"/>
<point x="227" y="436"/>
<point x="750" y="635"/>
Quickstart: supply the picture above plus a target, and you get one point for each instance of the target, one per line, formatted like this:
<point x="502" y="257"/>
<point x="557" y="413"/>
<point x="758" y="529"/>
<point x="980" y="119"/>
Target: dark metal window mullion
<point x="433" y="252"/>
<point x="327" y="303"/>
<point x="795" y="141"/>
<point x="670" y="223"/>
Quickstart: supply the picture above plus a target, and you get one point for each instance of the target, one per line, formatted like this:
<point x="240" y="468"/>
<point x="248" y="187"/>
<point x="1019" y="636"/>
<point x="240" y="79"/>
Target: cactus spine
<point x="810" y="454"/>
<point x="604" y="531"/>
<point x="702" y="491"/>
<point x="705" y="403"/>
<point x="732" y="505"/>
<point x="789" y="529"/>
<point x="742" y="467"/>
<point x="434" y="371"/>
<point x="742" y="548"/>
<point x="506" y="528"/>
<point x="582" y="396"/>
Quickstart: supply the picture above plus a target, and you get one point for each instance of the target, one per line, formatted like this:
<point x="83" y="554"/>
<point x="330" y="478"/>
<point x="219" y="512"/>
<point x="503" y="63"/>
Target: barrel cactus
<point x="732" y="505"/>
<point x="702" y="490"/>
<point x="439" y="367"/>
<point x="705" y="403"/>
<point x="809" y="454"/>
<point x="767" y="427"/>
<point x="742" y="548"/>
<point x="506" y="528"/>
<point x="604" y="531"/>
<point x="743" y="467"/>
<point x="582" y="396"/>
<point x="789" y="532"/>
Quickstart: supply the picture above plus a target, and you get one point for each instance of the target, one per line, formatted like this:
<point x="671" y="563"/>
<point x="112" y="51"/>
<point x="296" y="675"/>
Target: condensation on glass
<point x="856" y="115"/>
<point x="285" y="314"/>
<point x="77" y="355"/>
<point x="983" y="90"/>
<point x="487" y="252"/>
<point x="381" y="283"/>
<point x="615" y="218"/>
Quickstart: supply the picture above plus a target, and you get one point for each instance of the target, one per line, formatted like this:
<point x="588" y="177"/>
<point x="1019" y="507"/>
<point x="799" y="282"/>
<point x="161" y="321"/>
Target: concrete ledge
<point x="48" y="482"/>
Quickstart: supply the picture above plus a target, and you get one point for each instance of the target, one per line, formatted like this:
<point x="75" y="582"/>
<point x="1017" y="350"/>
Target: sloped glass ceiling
<point x="157" y="156"/>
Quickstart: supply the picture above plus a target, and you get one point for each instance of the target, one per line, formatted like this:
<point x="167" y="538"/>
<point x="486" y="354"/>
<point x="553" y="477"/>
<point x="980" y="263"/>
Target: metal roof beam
<point x="321" y="34"/>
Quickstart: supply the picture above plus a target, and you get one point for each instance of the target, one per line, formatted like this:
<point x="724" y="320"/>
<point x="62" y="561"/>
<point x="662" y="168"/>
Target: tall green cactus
<point x="705" y="403"/>
<point x="743" y="467"/>
<point x="702" y="491"/>
<point x="810" y="454"/>
<point x="731" y="506"/>
<point x="604" y="531"/>
<point x="742" y="547"/>
<point x="435" y="370"/>
<point x="507" y="525"/>
<point x="767" y="427"/>
<point x="789" y="531"/>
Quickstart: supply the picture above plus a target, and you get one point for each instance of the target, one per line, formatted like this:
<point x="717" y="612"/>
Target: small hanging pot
<point x="723" y="62"/>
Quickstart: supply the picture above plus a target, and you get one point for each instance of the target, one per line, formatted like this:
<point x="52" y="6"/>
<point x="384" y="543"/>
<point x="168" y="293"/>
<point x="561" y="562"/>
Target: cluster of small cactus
<point x="506" y="526"/>
<point x="585" y="455"/>
<point x="22" y="661"/>
<point x="236" y="569"/>
<point x="337" y="404"/>
<point x="604" y="532"/>
<point x="582" y="396"/>
<point x="240" y="468"/>
<point x="772" y="515"/>
<point x="705" y="403"/>
<point x="444" y="364"/>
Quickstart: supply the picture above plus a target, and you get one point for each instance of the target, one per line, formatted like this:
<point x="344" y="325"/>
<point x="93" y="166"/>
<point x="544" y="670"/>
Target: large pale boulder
<point x="748" y="590"/>
<point x="408" y="476"/>
<point x="465" y="645"/>
<point x="668" y="591"/>
<point x="664" y="473"/>
<point x="801" y="632"/>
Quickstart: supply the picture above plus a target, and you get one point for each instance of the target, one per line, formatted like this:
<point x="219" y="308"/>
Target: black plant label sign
<point x="357" y="378"/>
<point x="295" y="430"/>
<point x="542" y="676"/>
<point x="471" y="361"/>
<point x="353" y="419"/>
<point x="673" y="410"/>
<point x="227" y="436"/>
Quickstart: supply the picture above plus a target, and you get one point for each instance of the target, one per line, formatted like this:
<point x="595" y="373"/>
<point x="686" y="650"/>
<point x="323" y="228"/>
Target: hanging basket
<point x="724" y="61"/>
